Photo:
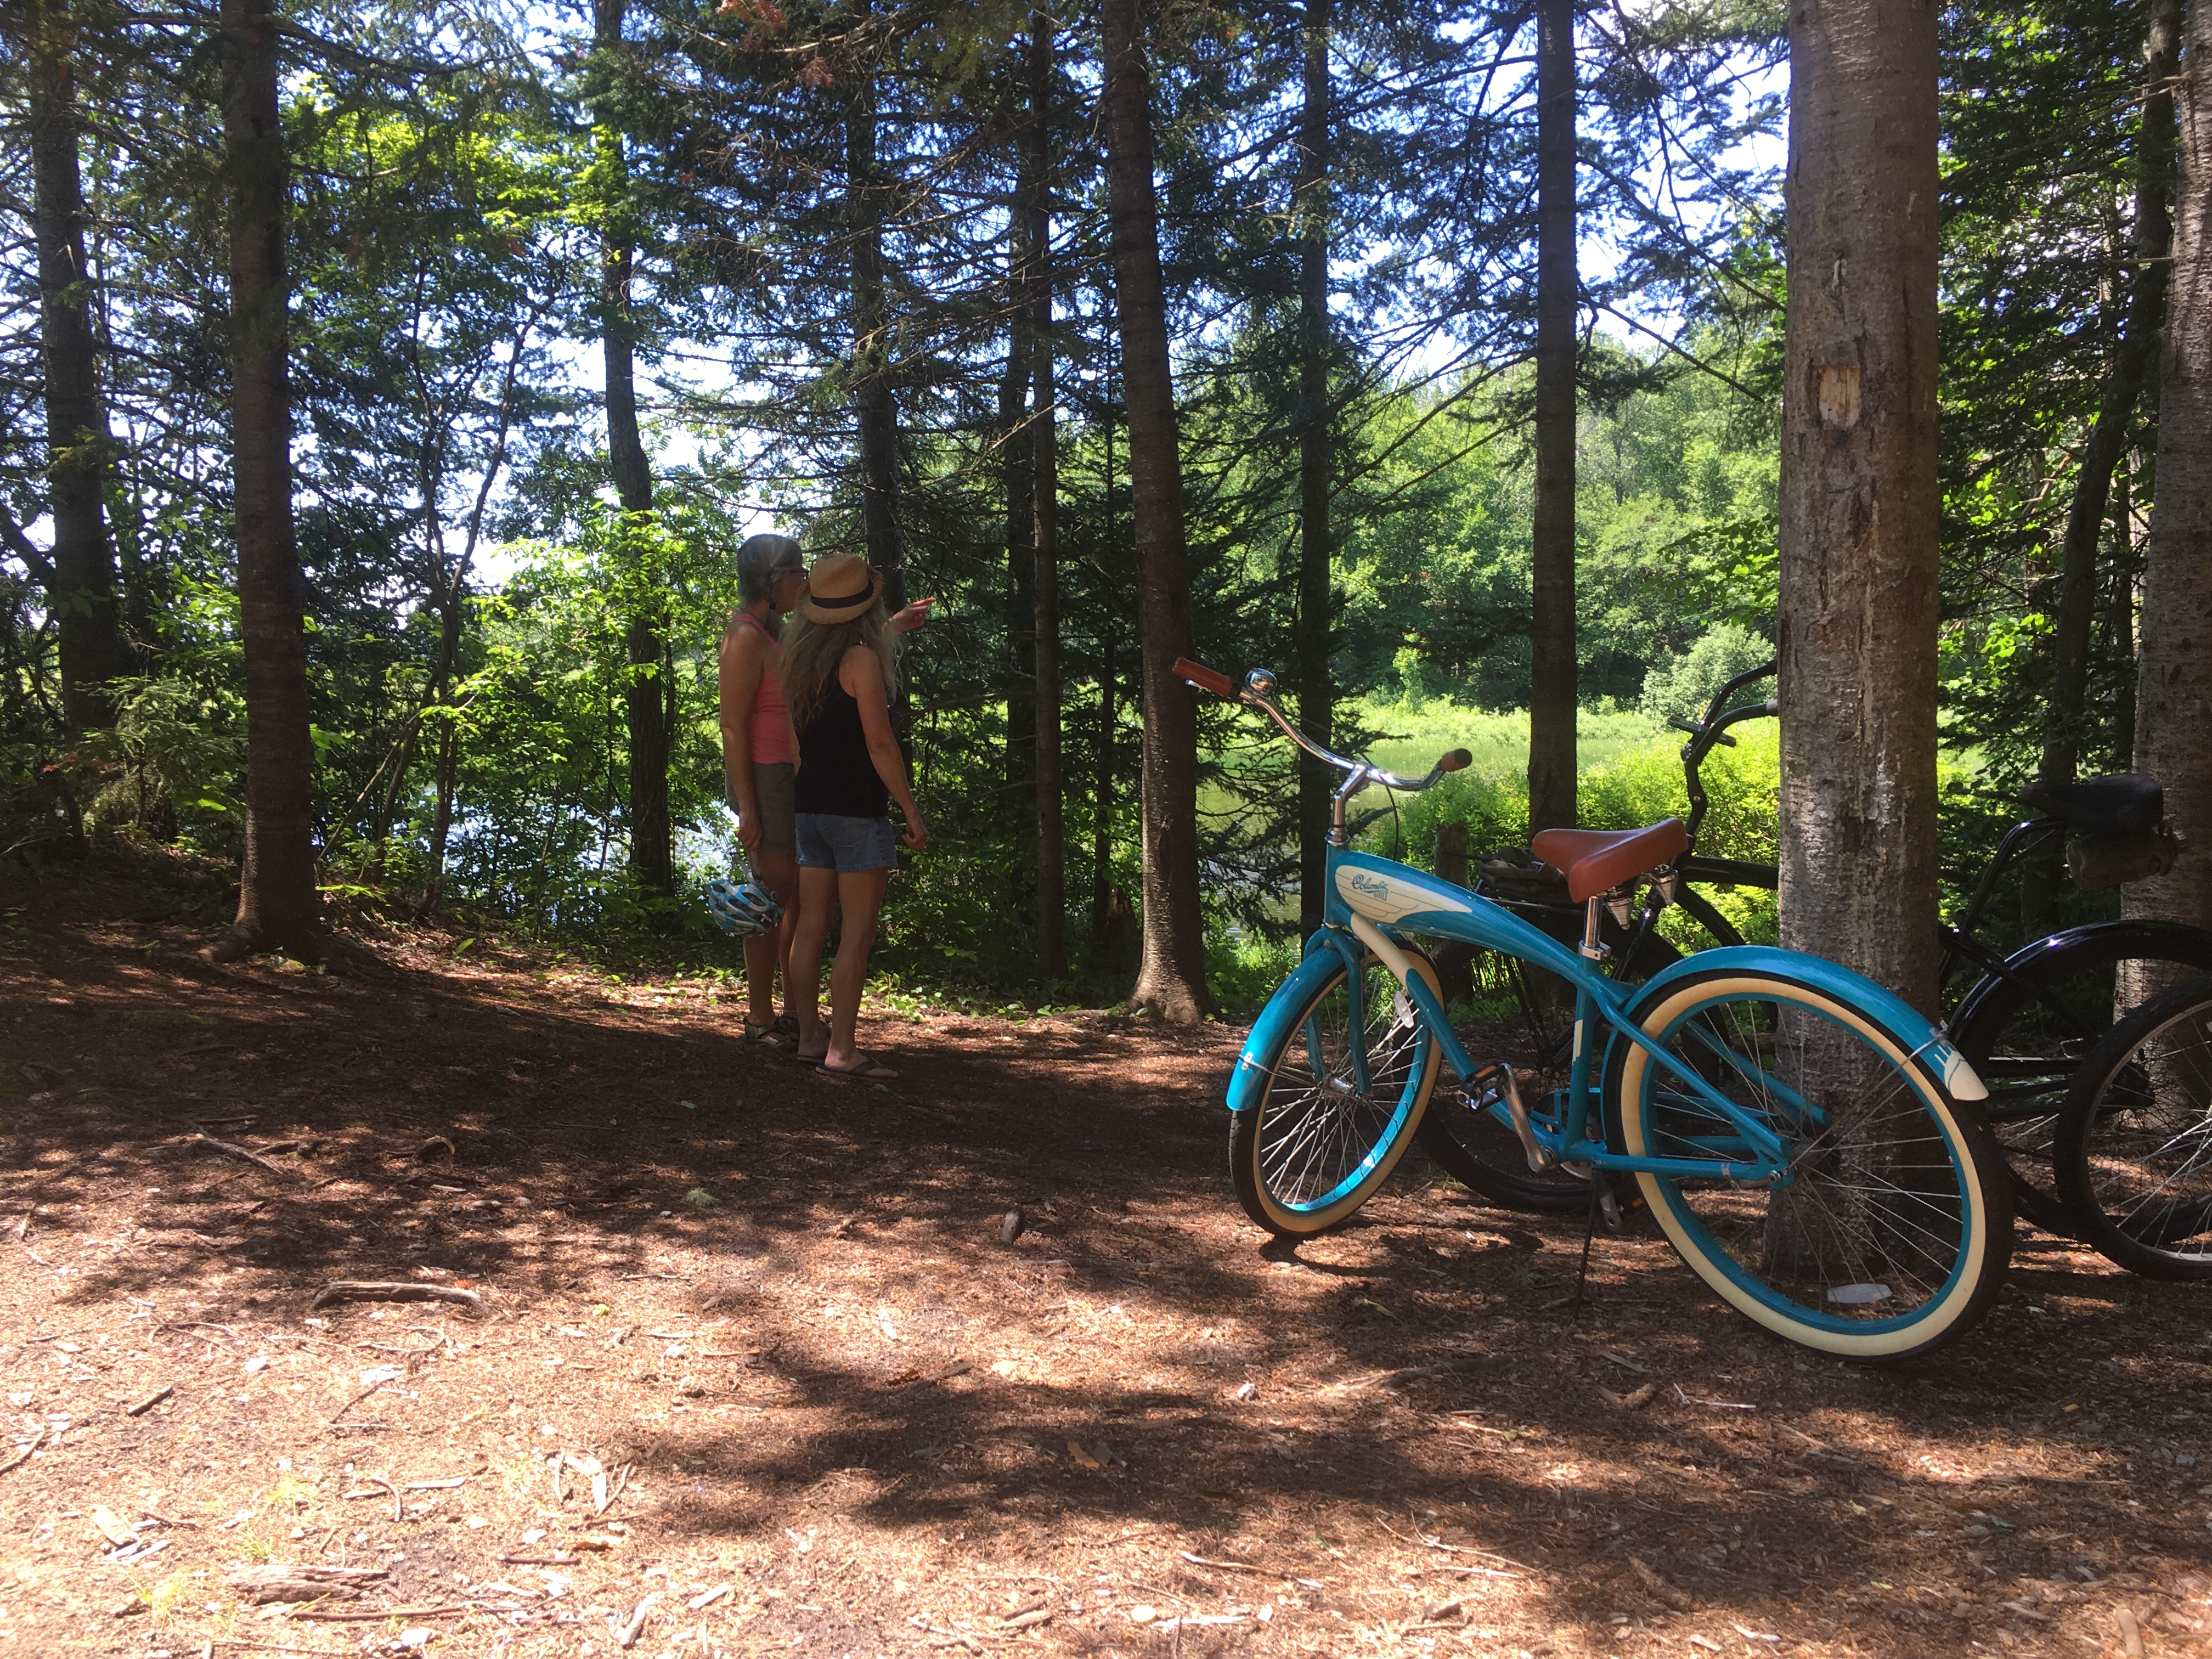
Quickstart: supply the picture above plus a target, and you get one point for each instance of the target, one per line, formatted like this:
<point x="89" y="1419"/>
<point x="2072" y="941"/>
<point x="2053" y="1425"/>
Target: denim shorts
<point x="830" y="840"/>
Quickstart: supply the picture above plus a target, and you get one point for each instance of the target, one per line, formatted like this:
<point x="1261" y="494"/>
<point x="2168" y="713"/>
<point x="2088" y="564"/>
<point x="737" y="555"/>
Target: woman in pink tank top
<point x="759" y="758"/>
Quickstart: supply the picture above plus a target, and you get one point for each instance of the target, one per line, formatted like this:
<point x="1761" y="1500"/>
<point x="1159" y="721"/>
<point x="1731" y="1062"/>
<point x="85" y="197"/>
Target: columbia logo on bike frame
<point x="1379" y="898"/>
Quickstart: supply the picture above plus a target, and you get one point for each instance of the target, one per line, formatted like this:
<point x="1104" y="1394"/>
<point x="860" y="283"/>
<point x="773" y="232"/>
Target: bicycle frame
<point x="1371" y="898"/>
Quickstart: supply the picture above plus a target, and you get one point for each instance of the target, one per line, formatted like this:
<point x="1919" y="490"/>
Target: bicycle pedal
<point x="1611" y="1207"/>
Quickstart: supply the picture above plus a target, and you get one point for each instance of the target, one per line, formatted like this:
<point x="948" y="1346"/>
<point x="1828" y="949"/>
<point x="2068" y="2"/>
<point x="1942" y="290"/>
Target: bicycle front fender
<point x="1247" y="1084"/>
<point x="2177" y="941"/>
<point x="1927" y="1046"/>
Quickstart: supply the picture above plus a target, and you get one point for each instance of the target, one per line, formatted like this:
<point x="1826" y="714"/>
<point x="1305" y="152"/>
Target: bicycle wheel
<point x="1523" y="1015"/>
<point x="2025" y="1031"/>
<point x="1317" y="1147"/>
<point x="1892" y="1233"/>
<point x="2134" y="1138"/>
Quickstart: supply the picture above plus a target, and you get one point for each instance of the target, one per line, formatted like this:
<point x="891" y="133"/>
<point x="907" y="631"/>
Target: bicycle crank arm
<point x="1539" y="1156"/>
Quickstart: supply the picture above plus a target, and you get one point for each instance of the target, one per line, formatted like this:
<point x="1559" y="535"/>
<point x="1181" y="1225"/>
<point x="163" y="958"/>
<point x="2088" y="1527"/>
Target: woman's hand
<point x="916" y="833"/>
<point x="751" y="833"/>
<point x="913" y="616"/>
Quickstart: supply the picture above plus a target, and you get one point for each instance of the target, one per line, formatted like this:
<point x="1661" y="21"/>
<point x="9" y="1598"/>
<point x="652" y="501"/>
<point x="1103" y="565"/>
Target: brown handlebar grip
<point x="1458" y="760"/>
<point x="1198" y="674"/>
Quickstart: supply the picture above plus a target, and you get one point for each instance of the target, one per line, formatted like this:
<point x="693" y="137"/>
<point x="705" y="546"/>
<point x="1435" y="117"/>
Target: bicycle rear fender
<point x="1943" y="1063"/>
<point x="1248" y="1082"/>
<point x="2178" y="940"/>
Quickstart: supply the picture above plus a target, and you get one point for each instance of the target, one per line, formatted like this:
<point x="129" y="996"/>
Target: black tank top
<point x="836" y="774"/>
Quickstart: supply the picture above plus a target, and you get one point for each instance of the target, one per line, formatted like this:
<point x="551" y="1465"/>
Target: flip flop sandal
<point x="869" y="1070"/>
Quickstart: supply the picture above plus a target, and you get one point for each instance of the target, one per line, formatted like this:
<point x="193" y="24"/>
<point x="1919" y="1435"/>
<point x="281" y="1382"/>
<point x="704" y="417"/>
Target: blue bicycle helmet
<point x="743" y="910"/>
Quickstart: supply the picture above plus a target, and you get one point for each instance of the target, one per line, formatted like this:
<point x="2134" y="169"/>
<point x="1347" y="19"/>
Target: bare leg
<point x="860" y="896"/>
<point x="818" y="898"/>
<point x="766" y="953"/>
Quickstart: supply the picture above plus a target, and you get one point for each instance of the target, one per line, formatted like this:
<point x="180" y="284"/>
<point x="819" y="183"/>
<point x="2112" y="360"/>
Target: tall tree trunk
<point x="79" y="446"/>
<point x="1052" y="850"/>
<point x="1171" y="979"/>
<point x="1858" y="501"/>
<point x="1017" y="473"/>
<point x="1551" y="698"/>
<point x="875" y="402"/>
<point x="2173" y="678"/>
<point x="1102" y="785"/>
<point x="646" y="699"/>
<point x="1316" y="598"/>
<point x="2064" y="714"/>
<point x="277" y="904"/>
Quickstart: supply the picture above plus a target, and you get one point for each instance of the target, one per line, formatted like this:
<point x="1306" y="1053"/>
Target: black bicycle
<point x="2024" y="1019"/>
<point x="2133" y="1142"/>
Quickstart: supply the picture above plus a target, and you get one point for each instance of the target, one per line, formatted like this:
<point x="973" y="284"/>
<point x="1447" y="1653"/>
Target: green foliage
<point x="1682" y="688"/>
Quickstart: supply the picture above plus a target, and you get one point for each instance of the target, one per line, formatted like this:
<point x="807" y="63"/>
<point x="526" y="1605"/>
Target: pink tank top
<point x="768" y="727"/>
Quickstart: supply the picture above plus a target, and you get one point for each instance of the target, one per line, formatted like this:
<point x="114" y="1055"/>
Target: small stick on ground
<point x="270" y="1164"/>
<point x="356" y="1401"/>
<point x="141" y="1407"/>
<point x="24" y="1456"/>
<point x="363" y="1290"/>
<point x="1660" y="1590"/>
<point x="2130" y="1634"/>
<point x="335" y="1617"/>
<point x="1230" y="1566"/>
<point x="627" y="1635"/>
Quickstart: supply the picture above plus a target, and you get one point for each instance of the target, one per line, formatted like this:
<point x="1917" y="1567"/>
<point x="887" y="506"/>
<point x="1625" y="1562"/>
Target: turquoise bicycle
<point x="1805" y="1139"/>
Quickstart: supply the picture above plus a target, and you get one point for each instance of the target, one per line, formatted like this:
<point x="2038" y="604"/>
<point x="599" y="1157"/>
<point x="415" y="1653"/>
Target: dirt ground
<point x="754" y="1360"/>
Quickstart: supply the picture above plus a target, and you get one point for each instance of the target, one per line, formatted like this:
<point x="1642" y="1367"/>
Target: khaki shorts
<point x="773" y="785"/>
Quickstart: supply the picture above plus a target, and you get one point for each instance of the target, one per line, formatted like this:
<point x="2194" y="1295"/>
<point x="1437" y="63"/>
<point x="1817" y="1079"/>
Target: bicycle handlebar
<point x="1256" y="692"/>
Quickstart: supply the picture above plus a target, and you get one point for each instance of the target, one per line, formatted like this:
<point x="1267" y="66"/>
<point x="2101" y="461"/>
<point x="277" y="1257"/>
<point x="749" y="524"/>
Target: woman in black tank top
<point x="839" y="665"/>
<point x="837" y="776"/>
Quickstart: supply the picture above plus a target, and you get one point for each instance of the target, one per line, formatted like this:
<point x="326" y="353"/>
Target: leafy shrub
<point x="1680" y="687"/>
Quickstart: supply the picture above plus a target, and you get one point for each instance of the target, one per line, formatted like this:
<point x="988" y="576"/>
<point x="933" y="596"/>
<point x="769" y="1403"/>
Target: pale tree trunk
<point x="79" y="447"/>
<point x="1316" y="596"/>
<point x="277" y="904"/>
<point x="1052" y="849"/>
<point x="875" y="402"/>
<point x="2173" y="678"/>
<point x="1171" y="976"/>
<point x="1552" y="696"/>
<point x="1858" y="543"/>
<point x="2100" y="454"/>
<point x="646" y="700"/>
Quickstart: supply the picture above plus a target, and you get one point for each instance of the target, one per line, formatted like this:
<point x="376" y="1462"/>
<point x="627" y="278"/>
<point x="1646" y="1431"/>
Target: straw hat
<point x="840" y="588"/>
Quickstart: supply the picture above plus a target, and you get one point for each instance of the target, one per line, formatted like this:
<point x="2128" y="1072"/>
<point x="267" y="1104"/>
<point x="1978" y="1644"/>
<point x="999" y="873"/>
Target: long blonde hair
<point x="812" y="652"/>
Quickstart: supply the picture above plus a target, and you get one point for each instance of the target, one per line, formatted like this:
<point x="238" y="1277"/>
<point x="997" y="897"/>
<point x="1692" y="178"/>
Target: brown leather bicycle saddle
<point x="1598" y="860"/>
<point x="2127" y="803"/>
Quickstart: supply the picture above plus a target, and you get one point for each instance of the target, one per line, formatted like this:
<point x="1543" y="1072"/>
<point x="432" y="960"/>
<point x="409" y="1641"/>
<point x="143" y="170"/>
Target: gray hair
<point x="763" y="558"/>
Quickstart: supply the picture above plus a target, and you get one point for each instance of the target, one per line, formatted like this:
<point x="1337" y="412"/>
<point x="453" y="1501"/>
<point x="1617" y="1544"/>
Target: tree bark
<point x="79" y="446"/>
<point x="646" y="699"/>
<point x="1171" y="976"/>
<point x="2173" y="678"/>
<point x="1052" y="849"/>
<point x="1317" y="597"/>
<point x="2065" y="713"/>
<point x="1017" y="474"/>
<point x="1858" y="494"/>
<point x="1551" y="698"/>
<point x="277" y="904"/>
<point x="875" y="403"/>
